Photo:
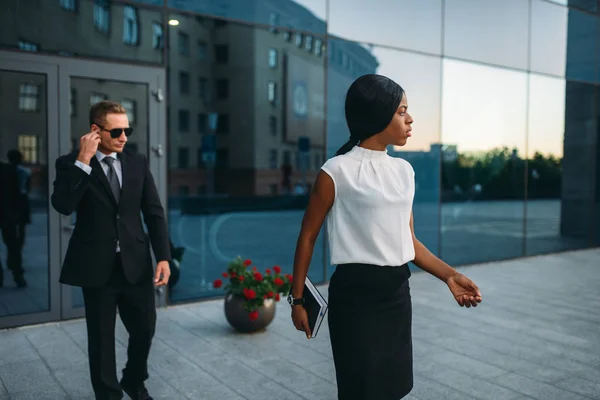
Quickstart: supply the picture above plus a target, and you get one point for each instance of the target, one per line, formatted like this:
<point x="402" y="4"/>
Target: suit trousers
<point x="136" y="306"/>
<point x="14" y="258"/>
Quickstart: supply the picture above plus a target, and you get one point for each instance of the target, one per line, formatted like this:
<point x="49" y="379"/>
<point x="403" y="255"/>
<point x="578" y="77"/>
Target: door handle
<point x="158" y="150"/>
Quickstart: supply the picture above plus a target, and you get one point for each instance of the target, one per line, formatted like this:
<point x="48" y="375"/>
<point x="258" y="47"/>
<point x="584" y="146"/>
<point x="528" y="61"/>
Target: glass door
<point x="29" y="244"/>
<point x="140" y="91"/>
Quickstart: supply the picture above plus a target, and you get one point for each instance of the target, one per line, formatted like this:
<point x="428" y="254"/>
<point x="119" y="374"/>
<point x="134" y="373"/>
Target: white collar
<point x="100" y="156"/>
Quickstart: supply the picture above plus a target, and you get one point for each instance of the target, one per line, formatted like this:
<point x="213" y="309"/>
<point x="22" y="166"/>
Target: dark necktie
<point x="113" y="180"/>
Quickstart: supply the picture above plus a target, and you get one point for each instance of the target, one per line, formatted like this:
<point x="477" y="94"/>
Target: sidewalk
<point x="535" y="336"/>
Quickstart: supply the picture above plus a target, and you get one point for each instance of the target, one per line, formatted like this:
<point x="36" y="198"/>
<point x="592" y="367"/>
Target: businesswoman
<point x="367" y="198"/>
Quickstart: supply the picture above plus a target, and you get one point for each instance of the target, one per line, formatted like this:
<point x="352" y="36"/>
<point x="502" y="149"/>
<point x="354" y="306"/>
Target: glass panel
<point x="548" y="38"/>
<point x="547" y="229"/>
<point x="304" y="15"/>
<point x="582" y="47"/>
<point x="103" y="29"/>
<point x="419" y="28"/>
<point x="23" y="194"/>
<point x="132" y="96"/>
<point x="589" y="5"/>
<point x="478" y="30"/>
<point x="419" y="76"/>
<point x="225" y="196"/>
<point x="484" y="121"/>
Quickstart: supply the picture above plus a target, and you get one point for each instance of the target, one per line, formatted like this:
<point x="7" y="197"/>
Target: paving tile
<point x="27" y="376"/>
<point x="535" y="389"/>
<point x="75" y="381"/>
<point x="581" y="386"/>
<point x="55" y="393"/>
<point x="14" y="347"/>
<point x="428" y="389"/>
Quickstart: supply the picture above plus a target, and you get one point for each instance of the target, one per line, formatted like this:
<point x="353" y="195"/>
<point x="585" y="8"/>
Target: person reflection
<point x="9" y="223"/>
<point x="23" y="187"/>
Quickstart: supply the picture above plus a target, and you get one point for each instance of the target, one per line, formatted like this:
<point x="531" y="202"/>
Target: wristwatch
<point x="295" y="302"/>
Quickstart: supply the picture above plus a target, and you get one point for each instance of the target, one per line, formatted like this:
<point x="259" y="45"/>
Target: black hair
<point x="15" y="157"/>
<point x="371" y="102"/>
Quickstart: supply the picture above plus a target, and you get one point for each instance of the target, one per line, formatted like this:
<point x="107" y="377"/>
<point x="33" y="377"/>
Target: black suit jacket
<point x="101" y="221"/>
<point x="9" y="194"/>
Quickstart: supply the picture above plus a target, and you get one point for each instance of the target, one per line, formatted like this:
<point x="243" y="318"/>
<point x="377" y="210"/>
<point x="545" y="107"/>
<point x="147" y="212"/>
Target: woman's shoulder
<point x="334" y="163"/>
<point x="403" y="164"/>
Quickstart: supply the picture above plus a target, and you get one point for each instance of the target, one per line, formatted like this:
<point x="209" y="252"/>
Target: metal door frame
<point x="154" y="77"/>
<point x="59" y="70"/>
<point x="17" y="62"/>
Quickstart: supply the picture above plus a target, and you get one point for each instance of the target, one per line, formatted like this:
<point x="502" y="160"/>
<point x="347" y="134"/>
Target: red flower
<point x="258" y="276"/>
<point x="265" y="297"/>
<point x="278" y="281"/>
<point x="268" y="271"/>
<point x="270" y="295"/>
<point x="217" y="283"/>
<point x="247" y="263"/>
<point x="277" y="297"/>
<point x="254" y="269"/>
<point x="241" y="278"/>
<point x="253" y="315"/>
<point x="225" y="275"/>
<point x="250" y="294"/>
<point x="233" y="275"/>
<point x="289" y="277"/>
<point x="277" y="269"/>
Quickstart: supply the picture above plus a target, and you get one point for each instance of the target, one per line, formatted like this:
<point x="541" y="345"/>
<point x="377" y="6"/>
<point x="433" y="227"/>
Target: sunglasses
<point x="116" y="132"/>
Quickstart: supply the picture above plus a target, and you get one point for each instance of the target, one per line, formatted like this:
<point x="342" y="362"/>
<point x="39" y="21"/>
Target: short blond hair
<point x="99" y="111"/>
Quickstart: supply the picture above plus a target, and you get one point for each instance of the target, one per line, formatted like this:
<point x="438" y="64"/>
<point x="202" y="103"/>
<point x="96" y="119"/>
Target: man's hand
<point x="88" y="145"/>
<point x="163" y="272"/>
<point x="465" y="291"/>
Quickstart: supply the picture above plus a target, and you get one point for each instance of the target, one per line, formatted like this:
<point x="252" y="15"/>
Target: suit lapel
<point x="101" y="176"/>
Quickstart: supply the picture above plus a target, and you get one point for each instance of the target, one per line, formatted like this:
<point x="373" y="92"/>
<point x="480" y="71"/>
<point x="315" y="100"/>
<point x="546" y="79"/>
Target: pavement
<point x="535" y="336"/>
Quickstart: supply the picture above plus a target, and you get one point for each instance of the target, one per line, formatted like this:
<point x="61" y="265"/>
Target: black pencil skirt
<point x="370" y="325"/>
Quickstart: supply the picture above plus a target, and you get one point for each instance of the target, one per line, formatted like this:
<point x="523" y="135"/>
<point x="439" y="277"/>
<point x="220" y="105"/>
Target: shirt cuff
<point x="83" y="166"/>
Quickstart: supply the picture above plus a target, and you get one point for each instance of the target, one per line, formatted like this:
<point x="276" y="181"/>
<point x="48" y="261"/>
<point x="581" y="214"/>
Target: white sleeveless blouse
<point x="369" y="221"/>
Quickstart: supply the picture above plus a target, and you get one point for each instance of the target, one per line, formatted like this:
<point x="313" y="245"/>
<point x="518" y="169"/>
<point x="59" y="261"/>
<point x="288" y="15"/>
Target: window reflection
<point x="240" y="164"/>
<point x="104" y="29"/>
<point x="483" y="132"/>
<point x="407" y="24"/>
<point x="582" y="50"/>
<point x="480" y="31"/>
<point x="548" y="38"/>
<point x="302" y="15"/>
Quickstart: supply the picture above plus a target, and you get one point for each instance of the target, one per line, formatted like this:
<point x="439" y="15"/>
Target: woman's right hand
<point x="300" y="319"/>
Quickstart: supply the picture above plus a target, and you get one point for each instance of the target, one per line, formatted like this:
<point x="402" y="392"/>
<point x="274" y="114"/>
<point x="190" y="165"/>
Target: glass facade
<point x="505" y="146"/>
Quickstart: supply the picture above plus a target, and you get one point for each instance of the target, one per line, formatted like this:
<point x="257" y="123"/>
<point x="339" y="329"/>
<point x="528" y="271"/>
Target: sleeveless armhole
<point x="327" y="169"/>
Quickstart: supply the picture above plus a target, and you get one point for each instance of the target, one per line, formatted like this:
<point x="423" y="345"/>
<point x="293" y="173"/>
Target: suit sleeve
<point x="154" y="217"/>
<point x="70" y="185"/>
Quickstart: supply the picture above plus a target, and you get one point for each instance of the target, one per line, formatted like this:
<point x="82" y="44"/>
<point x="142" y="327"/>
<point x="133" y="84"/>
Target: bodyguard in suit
<point x="109" y="253"/>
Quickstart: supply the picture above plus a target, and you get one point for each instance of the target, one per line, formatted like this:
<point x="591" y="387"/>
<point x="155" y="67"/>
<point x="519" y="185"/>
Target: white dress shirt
<point x="116" y="164"/>
<point x="369" y="221"/>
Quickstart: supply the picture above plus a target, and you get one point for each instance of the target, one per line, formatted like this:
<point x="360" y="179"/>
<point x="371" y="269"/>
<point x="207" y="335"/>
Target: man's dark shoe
<point x="138" y="392"/>
<point x="20" y="281"/>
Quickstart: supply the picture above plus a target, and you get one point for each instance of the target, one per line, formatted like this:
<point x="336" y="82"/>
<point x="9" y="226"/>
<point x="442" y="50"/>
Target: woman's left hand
<point x="464" y="290"/>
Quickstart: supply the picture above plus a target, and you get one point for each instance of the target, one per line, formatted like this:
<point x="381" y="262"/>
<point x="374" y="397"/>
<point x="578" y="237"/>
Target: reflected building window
<point x="158" y="37"/>
<point x="130" y="25"/>
<point x="272" y="92"/>
<point x="299" y="39"/>
<point x="29" y="94"/>
<point x="202" y="122"/>
<point x="130" y="106"/>
<point x="184" y="82"/>
<point x="24" y="45"/>
<point x="273" y="125"/>
<point x="102" y="16"/>
<point x="287" y="36"/>
<point x="184" y="121"/>
<point x="70" y="5"/>
<point x="308" y="43"/>
<point x="273" y="56"/>
<point x="183" y="159"/>
<point x="202" y="51"/>
<point x="203" y="88"/>
<point x="273" y="21"/>
<point x="183" y="42"/>
<point x="273" y="159"/>
<point x="222" y="89"/>
<point x="97" y="98"/>
<point x="29" y="146"/>
<point x="318" y="47"/>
